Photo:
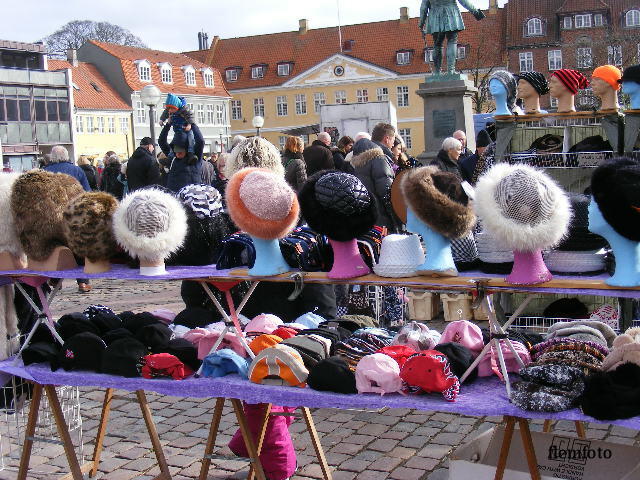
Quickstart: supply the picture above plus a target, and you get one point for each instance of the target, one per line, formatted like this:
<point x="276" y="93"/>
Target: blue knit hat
<point x="309" y="320"/>
<point x="173" y="100"/>
<point x="223" y="362"/>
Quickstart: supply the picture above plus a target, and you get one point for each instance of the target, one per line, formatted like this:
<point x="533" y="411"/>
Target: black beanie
<point x="460" y="359"/>
<point x="195" y="317"/>
<point x="566" y="308"/>
<point x="631" y="74"/>
<point x="105" y="321"/>
<point x="184" y="351"/>
<point x="136" y="321"/>
<point x="613" y="395"/>
<point x="40" y="352"/>
<point x="332" y="375"/>
<point x="155" y="337"/>
<point x="116" y="334"/>
<point x="123" y="356"/>
<point x="74" y="323"/>
<point x="82" y="351"/>
<point x="483" y="139"/>
<point x="537" y="80"/>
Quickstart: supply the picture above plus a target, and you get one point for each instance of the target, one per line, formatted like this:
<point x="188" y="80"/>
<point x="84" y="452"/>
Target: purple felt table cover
<point x="484" y="397"/>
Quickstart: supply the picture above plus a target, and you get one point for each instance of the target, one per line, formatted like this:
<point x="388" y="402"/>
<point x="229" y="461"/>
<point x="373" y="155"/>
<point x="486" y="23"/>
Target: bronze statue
<point x="442" y="18"/>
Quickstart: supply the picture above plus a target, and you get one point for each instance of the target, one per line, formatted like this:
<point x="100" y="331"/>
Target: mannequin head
<point x="503" y="86"/>
<point x="564" y="85"/>
<point x="605" y="82"/>
<point x="499" y="94"/>
<point x="631" y="84"/>
<point x="531" y="86"/>
<point x="597" y="223"/>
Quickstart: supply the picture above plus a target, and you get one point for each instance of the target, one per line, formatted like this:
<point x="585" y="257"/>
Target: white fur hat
<point x="9" y="241"/>
<point x="523" y="207"/>
<point x="150" y="224"/>
<point x="254" y="152"/>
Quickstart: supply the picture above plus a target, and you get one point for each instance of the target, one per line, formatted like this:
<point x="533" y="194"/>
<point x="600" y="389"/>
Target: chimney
<point x="199" y="40"/>
<point x="404" y="14"/>
<point x="72" y="57"/>
<point x="212" y="50"/>
<point x="304" y="26"/>
<point x="493" y="6"/>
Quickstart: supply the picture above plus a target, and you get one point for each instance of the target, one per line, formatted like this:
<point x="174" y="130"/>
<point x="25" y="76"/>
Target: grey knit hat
<point x="510" y="84"/>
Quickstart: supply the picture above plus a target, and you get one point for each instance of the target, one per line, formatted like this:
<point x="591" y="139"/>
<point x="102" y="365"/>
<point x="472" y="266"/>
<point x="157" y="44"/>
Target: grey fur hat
<point x="9" y="241"/>
<point x="587" y="330"/>
<point x="510" y="84"/>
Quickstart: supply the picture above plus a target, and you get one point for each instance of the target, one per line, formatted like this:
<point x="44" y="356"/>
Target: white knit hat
<point x="400" y="256"/>
<point x="150" y="224"/>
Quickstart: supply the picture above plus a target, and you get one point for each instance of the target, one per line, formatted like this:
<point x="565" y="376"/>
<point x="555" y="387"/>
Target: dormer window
<point x="166" y="73"/>
<point x="583" y="20"/>
<point x="189" y="75"/>
<point x="567" y="23"/>
<point x="207" y="77"/>
<point x="284" y="69"/>
<point x="403" y="57"/>
<point x="428" y="55"/>
<point x="258" y="71"/>
<point x="144" y="70"/>
<point x="534" y="27"/>
<point x="598" y="20"/>
<point x="632" y="18"/>
<point x="232" y="74"/>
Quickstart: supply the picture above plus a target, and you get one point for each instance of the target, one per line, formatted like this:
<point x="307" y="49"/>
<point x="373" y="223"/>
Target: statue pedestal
<point x="448" y="106"/>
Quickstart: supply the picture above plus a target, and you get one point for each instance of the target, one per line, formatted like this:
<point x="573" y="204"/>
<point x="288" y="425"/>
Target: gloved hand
<point x="479" y="14"/>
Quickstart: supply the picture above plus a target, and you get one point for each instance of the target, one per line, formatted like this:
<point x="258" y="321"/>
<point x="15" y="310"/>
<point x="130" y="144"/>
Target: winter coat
<point x="142" y="169"/>
<point x="92" y="176"/>
<point x="219" y="183"/>
<point x="444" y="163"/>
<point x="70" y="169"/>
<point x="208" y="173"/>
<point x="468" y="166"/>
<point x="373" y="168"/>
<point x="295" y="170"/>
<point x="318" y="157"/>
<point x="111" y="180"/>
<point x="340" y="163"/>
<point x="183" y="171"/>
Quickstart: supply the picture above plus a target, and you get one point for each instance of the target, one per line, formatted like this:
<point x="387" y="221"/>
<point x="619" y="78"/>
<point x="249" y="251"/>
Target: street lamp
<point x="257" y="123"/>
<point x="150" y="96"/>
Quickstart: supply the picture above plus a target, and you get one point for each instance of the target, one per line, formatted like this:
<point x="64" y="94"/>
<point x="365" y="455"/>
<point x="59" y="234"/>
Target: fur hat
<point x="9" y="241"/>
<point x="261" y="203"/>
<point x="254" y="152"/>
<point x="88" y="222"/>
<point x="337" y="205"/>
<point x="523" y="207"/>
<point x="589" y="330"/>
<point x="615" y="186"/>
<point x="38" y="201"/>
<point x="150" y="224"/>
<point x="437" y="198"/>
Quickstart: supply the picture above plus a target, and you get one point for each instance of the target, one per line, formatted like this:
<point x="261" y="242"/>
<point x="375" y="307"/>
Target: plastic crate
<point x="423" y="305"/>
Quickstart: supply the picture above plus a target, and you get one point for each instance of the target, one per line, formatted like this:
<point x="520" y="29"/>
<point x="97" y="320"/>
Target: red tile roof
<point x="376" y="43"/>
<point x="128" y="55"/>
<point x="87" y="96"/>
<point x="582" y="6"/>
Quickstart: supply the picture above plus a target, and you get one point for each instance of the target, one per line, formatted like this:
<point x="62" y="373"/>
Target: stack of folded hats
<point x="581" y="252"/>
<point x="361" y="344"/>
<point x="494" y="258"/>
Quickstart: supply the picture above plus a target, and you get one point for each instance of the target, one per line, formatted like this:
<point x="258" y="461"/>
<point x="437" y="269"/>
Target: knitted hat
<point x="544" y="398"/>
<point x="572" y="79"/>
<point x="88" y="225"/>
<point x="510" y="84"/>
<point x="105" y="321"/>
<point x="537" y="81"/>
<point x="566" y="308"/>
<point x="194" y="317"/>
<point x="438" y="199"/>
<point x="400" y="353"/>
<point x="40" y="352"/>
<point x="82" y="351"/>
<point x="263" y="323"/>
<point x="173" y="101"/>
<point x="631" y="74"/>
<point x="262" y="204"/>
<point x="610" y="74"/>
<point x="154" y="337"/>
<point x="332" y="375"/>
<point x="309" y="320"/>
<point x="73" y="323"/>
<point x="483" y="139"/>
<point x="337" y="205"/>
<point x="254" y="152"/>
<point x="135" y="321"/>
<point x="9" y="241"/>
<point x="279" y="365"/>
<point x="164" y="365"/>
<point x="588" y="330"/>
<point x="378" y="373"/>
<point x="418" y="336"/>
<point x="116" y="334"/>
<point x="185" y="351"/>
<point x="430" y="371"/>
<point x="523" y="207"/>
<point x="123" y="357"/>
<point x="38" y="201"/>
<point x="615" y="186"/>
<point x="150" y="224"/>
<point x="613" y="395"/>
<point x="203" y="200"/>
<point x="223" y="362"/>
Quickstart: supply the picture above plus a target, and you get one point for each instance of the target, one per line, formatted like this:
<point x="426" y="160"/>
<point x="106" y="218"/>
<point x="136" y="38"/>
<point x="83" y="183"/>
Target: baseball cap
<point x="279" y="365"/>
<point x="332" y="375"/>
<point x="146" y="141"/>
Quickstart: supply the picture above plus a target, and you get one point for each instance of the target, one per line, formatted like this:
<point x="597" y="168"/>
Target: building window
<point x="319" y="98"/>
<point x="100" y="124"/>
<point x="598" y="20"/>
<point x="111" y="125"/>
<point x="403" y="58"/>
<point x="282" y="109"/>
<point x="583" y="21"/>
<point x="405" y="134"/>
<point x="124" y="124"/>
<point x="534" y="27"/>
<point x="144" y="70"/>
<point x="382" y="94"/>
<point x="200" y="113"/>
<point x="284" y="69"/>
<point x="632" y="18"/>
<point x="257" y="71"/>
<point x="166" y="74"/>
<point x="554" y="102"/>
<point x="207" y="77"/>
<point x="526" y="61"/>
<point x="141" y="113"/>
<point x="236" y="110"/>
<point x="90" y="125"/>
<point x="210" y="119"/>
<point x="567" y="23"/>
<point x="614" y="55"/>
<point x="584" y="58"/>
<point x="403" y="96"/>
<point x="258" y="106"/>
<point x="362" y="95"/>
<point x="282" y="139"/>
<point x="305" y="139"/>
<point x="428" y="55"/>
<point x="189" y="75"/>
<point x="555" y="59"/>
<point x="190" y="107"/>
<point x="231" y="74"/>
<point x="462" y="52"/>
<point x="341" y="96"/>
<point x="219" y="114"/>
<point x="301" y="104"/>
<point x="79" y="124"/>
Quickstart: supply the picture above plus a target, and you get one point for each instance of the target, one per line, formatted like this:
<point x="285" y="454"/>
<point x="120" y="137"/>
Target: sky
<point x="174" y="25"/>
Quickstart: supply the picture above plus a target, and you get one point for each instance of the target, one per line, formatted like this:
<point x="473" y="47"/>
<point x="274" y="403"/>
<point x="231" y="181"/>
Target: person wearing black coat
<point x="185" y="169"/>
<point x="318" y="156"/>
<point x="345" y="145"/>
<point x="142" y="168"/>
<point x="295" y="170"/>
<point x="90" y="171"/>
<point x="447" y="158"/>
<point x="111" y="177"/>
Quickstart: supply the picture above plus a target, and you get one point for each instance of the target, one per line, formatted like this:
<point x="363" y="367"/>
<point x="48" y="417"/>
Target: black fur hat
<point x="337" y="205"/>
<point x="615" y="186"/>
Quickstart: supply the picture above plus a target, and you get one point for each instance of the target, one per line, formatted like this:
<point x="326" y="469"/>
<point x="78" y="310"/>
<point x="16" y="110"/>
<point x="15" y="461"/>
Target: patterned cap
<point x="510" y="85"/>
<point x="524" y="199"/>
<point x="572" y="79"/>
<point x="204" y="200"/>
<point x="537" y="81"/>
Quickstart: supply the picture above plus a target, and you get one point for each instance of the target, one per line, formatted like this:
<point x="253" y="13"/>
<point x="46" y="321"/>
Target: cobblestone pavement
<point x="397" y="443"/>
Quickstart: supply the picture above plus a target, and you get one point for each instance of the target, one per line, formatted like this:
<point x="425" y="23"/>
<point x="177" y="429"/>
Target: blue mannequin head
<point x="597" y="223"/>
<point x="632" y="89"/>
<point x="499" y="94"/>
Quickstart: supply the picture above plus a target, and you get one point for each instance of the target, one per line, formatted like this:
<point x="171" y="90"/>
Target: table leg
<point x="211" y="440"/>
<point x="262" y="433"/>
<point x="248" y="438"/>
<point x="504" y="450"/>
<point x="546" y="427"/>
<point x="34" y="410"/>
<point x="315" y="440"/>
<point x="580" y="429"/>
<point x="102" y="430"/>
<point x="529" y="451"/>
<point x="153" y="435"/>
<point x="63" y="432"/>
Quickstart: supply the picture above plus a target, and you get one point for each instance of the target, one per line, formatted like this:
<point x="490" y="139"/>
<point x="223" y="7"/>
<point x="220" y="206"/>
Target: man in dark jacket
<point x="185" y="169"/>
<point x="447" y="158"/>
<point x="142" y="168"/>
<point x="318" y="156"/>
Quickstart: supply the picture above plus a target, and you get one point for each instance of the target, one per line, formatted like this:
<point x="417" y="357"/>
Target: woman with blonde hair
<point x="89" y="170"/>
<point x="295" y="170"/>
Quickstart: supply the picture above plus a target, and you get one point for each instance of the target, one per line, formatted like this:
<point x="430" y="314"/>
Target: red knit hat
<point x="572" y="79"/>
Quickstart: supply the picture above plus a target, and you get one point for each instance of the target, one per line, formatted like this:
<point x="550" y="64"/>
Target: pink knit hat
<point x="263" y="323"/>
<point x="378" y="373"/>
<point x="465" y="333"/>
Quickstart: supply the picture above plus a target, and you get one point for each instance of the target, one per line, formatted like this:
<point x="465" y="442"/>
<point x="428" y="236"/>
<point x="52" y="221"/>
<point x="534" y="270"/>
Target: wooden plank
<point x="315" y="440"/>
<point x="248" y="438"/>
<point x="504" y="449"/>
<point x="262" y="433"/>
<point x="529" y="450"/>
<point x="211" y="440"/>
<point x="102" y="430"/>
<point x="153" y="435"/>
<point x="34" y="410"/>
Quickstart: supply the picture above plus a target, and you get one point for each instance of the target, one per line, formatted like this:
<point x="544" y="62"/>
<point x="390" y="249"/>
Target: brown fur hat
<point x="38" y="200"/>
<point x="438" y="199"/>
<point x="88" y="225"/>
